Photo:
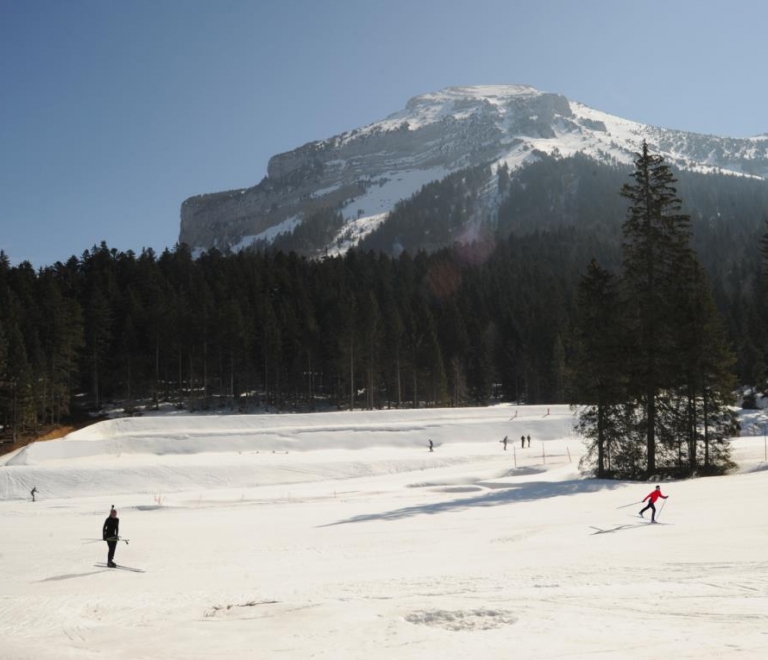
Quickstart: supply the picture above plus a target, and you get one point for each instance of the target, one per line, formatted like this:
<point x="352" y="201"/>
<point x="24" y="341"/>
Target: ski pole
<point x="663" y="504"/>
<point x="624" y="506"/>
<point x="116" y="538"/>
<point x="111" y="538"/>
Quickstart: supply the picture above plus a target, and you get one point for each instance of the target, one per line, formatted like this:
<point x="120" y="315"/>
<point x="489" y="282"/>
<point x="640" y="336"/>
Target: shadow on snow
<point x="69" y="576"/>
<point x="500" y="495"/>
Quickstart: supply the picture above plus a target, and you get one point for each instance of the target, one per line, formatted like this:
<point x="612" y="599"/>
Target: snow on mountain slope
<point x="366" y="171"/>
<point x="452" y="103"/>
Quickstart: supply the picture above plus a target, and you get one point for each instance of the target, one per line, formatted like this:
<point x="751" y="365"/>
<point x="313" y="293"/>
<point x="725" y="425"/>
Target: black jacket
<point x="111" y="528"/>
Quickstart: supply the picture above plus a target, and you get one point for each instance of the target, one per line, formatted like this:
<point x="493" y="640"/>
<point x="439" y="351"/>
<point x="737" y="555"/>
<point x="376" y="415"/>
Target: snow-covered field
<point x="339" y="535"/>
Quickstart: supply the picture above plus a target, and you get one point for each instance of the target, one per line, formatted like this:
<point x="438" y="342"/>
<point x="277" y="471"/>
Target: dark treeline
<point x="453" y="327"/>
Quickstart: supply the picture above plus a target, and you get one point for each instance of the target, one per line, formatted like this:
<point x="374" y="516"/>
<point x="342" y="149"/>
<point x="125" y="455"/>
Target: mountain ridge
<point x="365" y="171"/>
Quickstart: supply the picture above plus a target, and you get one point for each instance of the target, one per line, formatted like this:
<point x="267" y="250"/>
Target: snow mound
<point x="183" y="452"/>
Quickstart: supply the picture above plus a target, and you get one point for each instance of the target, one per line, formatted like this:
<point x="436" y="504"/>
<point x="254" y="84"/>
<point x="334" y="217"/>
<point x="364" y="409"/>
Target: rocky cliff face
<point x="364" y="172"/>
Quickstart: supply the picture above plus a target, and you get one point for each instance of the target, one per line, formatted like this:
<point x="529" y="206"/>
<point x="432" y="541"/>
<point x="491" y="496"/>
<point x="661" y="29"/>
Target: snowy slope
<point x="378" y="552"/>
<point x="250" y="450"/>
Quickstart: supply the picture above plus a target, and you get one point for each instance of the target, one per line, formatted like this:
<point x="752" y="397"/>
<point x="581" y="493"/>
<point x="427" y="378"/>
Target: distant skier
<point x="529" y="440"/>
<point x="522" y="441"/>
<point x="110" y="535"/>
<point x="431" y="445"/>
<point x="654" y="495"/>
<point x="32" y="492"/>
<point x="504" y="442"/>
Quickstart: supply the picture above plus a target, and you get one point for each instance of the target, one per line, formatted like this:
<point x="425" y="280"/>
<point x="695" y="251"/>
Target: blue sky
<point x="113" y="112"/>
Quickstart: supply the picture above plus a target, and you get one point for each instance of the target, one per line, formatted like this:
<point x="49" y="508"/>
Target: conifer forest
<point x="645" y="310"/>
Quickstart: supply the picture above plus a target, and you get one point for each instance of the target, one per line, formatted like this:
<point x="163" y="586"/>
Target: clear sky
<point x="113" y="112"/>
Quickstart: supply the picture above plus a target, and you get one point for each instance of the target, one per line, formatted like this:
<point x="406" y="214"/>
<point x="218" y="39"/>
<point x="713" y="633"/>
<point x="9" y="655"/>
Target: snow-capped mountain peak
<point x="364" y="172"/>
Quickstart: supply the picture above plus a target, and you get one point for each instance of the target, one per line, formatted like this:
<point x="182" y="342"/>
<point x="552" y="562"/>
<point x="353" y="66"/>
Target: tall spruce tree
<point x="656" y="243"/>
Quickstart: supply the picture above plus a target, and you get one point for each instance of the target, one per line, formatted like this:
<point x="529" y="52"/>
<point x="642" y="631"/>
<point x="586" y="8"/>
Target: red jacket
<point x="654" y="495"/>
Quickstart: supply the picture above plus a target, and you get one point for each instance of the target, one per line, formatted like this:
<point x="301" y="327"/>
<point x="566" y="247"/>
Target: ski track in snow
<point x="358" y="543"/>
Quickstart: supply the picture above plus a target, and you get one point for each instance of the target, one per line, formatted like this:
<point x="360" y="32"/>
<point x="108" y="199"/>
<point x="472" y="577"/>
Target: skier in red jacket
<point x="652" y="497"/>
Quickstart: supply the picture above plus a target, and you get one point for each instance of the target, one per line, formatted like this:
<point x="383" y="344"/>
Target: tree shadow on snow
<point x="500" y="495"/>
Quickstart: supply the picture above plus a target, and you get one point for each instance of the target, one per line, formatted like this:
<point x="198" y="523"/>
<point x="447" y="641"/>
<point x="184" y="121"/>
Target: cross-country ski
<point x="120" y="567"/>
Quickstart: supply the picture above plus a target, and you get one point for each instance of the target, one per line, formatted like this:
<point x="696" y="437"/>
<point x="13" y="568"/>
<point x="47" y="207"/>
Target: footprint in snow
<point x="462" y="620"/>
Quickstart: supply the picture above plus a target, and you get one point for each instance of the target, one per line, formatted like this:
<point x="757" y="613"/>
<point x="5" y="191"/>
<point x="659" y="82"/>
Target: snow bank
<point x="181" y="452"/>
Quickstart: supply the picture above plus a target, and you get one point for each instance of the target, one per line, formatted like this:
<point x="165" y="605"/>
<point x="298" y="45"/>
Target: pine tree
<point x="652" y="367"/>
<point x="656" y="241"/>
<point x="597" y="380"/>
<point x="5" y="376"/>
<point x="98" y="332"/>
<point x="19" y="386"/>
<point x="707" y="380"/>
<point x="62" y="338"/>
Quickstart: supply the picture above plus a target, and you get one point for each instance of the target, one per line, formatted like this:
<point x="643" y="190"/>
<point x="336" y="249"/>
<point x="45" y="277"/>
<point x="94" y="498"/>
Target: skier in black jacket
<point x="110" y="535"/>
